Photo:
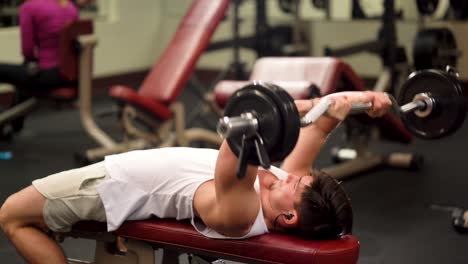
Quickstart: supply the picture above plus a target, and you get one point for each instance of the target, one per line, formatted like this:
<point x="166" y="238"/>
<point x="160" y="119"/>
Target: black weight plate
<point x="449" y="112"/>
<point x="427" y="7"/>
<point x="290" y="126"/>
<point x="255" y="99"/>
<point x="434" y="48"/>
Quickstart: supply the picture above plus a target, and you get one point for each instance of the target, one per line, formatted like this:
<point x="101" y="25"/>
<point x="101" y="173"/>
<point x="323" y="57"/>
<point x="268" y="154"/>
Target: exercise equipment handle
<point x="323" y="105"/>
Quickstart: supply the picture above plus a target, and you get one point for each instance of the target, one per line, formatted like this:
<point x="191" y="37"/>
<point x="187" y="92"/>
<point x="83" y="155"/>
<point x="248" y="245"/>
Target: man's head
<point x="312" y="207"/>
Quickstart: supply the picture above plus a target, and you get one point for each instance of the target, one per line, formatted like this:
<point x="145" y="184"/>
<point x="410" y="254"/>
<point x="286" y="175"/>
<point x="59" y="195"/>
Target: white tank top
<point x="162" y="182"/>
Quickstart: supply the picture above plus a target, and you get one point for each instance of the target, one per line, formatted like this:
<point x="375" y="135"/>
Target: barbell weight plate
<point x="449" y="111"/>
<point x="251" y="99"/>
<point x="271" y="111"/>
<point x="427" y="7"/>
<point x="434" y="48"/>
<point x="291" y="123"/>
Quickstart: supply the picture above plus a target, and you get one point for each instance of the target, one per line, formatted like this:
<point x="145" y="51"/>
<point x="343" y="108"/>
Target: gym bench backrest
<point x="173" y="69"/>
<point x="171" y="72"/>
<point x="69" y="57"/>
<point x="330" y="75"/>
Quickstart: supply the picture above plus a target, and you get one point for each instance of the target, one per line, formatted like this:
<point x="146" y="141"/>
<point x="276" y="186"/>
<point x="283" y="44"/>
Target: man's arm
<point x="237" y="202"/>
<point x="312" y="137"/>
<point x="233" y="206"/>
<point x="310" y="141"/>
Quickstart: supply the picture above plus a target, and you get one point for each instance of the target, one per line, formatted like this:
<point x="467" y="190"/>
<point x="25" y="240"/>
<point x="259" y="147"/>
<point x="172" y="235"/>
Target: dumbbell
<point x="261" y="122"/>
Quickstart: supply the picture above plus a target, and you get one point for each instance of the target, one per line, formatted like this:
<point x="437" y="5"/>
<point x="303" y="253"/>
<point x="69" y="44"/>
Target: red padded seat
<point x="128" y="95"/>
<point x="268" y="248"/>
<point x="330" y="75"/>
<point x="171" y="72"/>
<point x="297" y="89"/>
<point x="64" y="94"/>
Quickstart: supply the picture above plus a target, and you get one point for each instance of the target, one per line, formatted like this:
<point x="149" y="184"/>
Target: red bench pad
<point x="128" y="95"/>
<point x="63" y="94"/>
<point x="297" y="89"/>
<point x="268" y="248"/>
<point x="170" y="73"/>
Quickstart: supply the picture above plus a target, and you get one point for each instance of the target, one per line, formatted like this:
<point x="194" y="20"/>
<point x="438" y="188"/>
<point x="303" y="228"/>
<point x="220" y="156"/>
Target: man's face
<point x="285" y="194"/>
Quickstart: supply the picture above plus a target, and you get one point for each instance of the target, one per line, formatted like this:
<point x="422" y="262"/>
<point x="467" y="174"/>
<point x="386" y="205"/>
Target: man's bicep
<point x="236" y="201"/>
<point x="235" y="212"/>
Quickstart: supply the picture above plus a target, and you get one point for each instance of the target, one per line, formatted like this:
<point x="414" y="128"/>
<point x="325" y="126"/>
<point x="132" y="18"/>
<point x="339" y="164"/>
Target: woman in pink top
<point x="40" y="24"/>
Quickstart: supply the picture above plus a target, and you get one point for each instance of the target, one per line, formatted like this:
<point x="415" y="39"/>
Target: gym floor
<point x="393" y="219"/>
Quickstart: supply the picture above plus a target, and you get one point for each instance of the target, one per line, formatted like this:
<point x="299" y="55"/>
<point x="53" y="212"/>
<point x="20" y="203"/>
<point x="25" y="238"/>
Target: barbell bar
<point x="247" y="123"/>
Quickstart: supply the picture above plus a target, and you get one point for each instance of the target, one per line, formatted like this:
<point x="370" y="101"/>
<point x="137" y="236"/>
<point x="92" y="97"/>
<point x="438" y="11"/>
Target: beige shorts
<point x="71" y="196"/>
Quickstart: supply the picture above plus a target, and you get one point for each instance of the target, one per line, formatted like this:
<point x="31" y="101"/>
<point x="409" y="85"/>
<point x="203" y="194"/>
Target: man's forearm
<point x="226" y="170"/>
<point x="312" y="137"/>
<point x="326" y="124"/>
<point x="310" y="141"/>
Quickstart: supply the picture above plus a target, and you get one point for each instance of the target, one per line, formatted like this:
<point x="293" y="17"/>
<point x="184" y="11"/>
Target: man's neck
<point x="266" y="179"/>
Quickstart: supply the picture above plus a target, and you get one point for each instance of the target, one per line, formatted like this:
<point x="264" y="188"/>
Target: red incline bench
<point x="297" y="74"/>
<point x="154" y="102"/>
<point x="330" y="75"/>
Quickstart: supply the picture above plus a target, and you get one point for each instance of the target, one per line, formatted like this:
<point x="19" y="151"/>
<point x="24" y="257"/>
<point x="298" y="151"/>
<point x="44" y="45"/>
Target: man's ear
<point x="291" y="218"/>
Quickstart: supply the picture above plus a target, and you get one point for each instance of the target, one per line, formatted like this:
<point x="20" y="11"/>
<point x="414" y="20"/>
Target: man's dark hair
<point x="325" y="210"/>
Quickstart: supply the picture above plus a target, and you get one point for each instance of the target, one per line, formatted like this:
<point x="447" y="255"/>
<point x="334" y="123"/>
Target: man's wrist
<point x="334" y="122"/>
<point x="314" y="102"/>
<point x="327" y="123"/>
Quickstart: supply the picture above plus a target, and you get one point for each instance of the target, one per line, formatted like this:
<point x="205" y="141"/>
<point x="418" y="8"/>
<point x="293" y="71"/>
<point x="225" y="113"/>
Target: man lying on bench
<point x="191" y="183"/>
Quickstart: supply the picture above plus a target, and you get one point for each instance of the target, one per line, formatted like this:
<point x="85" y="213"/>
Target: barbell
<point x="262" y="124"/>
